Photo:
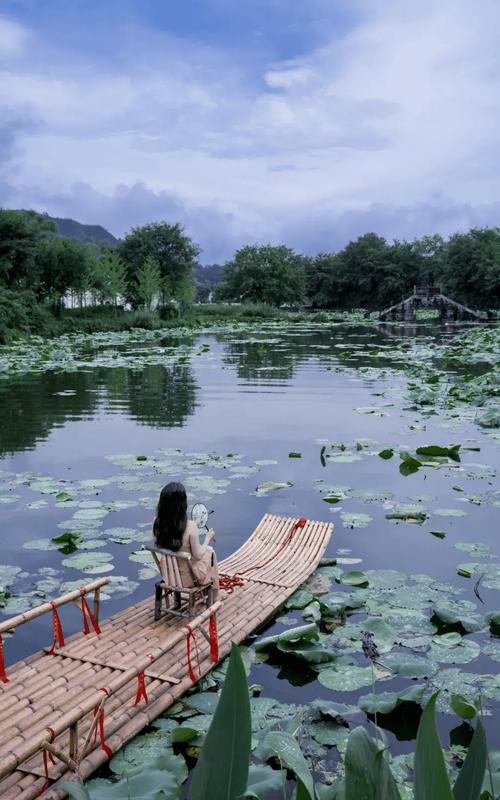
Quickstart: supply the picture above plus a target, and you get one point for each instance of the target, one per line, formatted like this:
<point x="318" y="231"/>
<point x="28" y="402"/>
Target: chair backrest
<point x="167" y="562"/>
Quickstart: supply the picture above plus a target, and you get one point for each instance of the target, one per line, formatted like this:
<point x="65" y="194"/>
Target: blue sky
<point x="277" y="121"/>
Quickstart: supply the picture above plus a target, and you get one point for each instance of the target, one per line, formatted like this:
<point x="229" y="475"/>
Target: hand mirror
<point x="199" y="515"/>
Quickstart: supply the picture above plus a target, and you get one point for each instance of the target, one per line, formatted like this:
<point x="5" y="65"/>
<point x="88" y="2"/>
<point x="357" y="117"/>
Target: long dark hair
<point x="171" y="516"/>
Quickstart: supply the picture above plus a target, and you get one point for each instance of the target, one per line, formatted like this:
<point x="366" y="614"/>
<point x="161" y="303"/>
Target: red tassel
<point x="46" y="756"/>
<point x="141" y="690"/>
<point x="100" y="710"/>
<point x="3" y="675"/>
<point x="188" y="649"/>
<point x="214" y="642"/>
<point x="88" y="615"/>
<point x="58" y="636"/>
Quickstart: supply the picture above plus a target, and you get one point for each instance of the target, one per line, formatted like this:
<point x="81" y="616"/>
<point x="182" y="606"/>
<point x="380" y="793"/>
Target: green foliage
<point x="431" y="777"/>
<point x="174" y="252"/>
<point x="368" y="776"/>
<point x="21" y="234"/>
<point x="61" y="264"/>
<point x="148" y="283"/>
<point x="222" y="768"/>
<point x="109" y="279"/>
<point x="286" y="748"/>
<point x="371" y="273"/>
<point x="268" y="274"/>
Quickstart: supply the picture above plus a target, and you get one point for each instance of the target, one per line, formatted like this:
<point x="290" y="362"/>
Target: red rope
<point x="214" y="642"/>
<point x="46" y="756"/>
<point x="99" y="709"/>
<point x="3" y="675"/>
<point x="88" y="615"/>
<point x="230" y="582"/>
<point x="58" y="635"/>
<point x="141" y="686"/>
<point x="141" y="690"/>
<point x="190" y="636"/>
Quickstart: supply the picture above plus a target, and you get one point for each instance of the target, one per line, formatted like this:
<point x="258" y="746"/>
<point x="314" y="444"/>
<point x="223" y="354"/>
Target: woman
<point x="173" y="530"/>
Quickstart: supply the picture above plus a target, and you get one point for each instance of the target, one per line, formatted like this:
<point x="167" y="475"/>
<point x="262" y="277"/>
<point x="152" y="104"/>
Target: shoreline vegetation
<point x="52" y="285"/>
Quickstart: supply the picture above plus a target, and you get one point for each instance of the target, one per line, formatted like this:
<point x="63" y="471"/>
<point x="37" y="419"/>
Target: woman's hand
<point x="210" y="535"/>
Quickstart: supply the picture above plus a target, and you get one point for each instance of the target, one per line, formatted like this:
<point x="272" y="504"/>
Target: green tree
<point x="469" y="267"/>
<point x="265" y="274"/>
<point x="174" y="252"/>
<point x="148" y="284"/>
<point x="21" y="234"/>
<point x="62" y="264"/>
<point x="109" y="278"/>
<point x="323" y="280"/>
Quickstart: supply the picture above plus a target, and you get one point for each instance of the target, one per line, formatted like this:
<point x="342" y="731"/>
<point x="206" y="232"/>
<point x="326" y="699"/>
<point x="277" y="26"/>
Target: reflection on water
<point x="32" y="405"/>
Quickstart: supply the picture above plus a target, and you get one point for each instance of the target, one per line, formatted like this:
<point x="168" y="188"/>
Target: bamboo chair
<point x="171" y="587"/>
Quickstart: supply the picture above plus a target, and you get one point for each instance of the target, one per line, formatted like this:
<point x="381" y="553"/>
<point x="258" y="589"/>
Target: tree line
<point x="156" y="267"/>
<point x="152" y="266"/>
<point x="369" y="272"/>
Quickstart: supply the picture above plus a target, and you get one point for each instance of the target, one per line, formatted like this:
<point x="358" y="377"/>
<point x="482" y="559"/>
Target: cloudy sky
<point x="307" y="122"/>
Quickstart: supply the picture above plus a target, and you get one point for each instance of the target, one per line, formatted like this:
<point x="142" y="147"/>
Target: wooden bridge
<point x="64" y="714"/>
<point x="429" y="297"/>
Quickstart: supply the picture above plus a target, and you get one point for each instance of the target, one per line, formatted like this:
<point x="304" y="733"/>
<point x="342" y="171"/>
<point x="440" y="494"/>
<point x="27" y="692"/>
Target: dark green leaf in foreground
<point x="222" y="768"/>
<point x="287" y="749"/>
<point x="368" y="776"/>
<point x="470" y="779"/>
<point x="431" y="778"/>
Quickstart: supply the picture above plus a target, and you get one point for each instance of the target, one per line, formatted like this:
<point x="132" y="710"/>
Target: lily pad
<point x="345" y="677"/>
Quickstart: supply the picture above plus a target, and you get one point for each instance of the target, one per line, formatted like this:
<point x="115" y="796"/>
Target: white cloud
<point x="13" y="38"/>
<point x="396" y="111"/>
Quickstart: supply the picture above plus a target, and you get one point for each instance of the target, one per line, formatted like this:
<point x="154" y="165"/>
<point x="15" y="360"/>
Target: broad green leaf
<point x="354" y="578"/>
<point x="262" y="780"/>
<point x="302" y="633"/>
<point x="222" y="768"/>
<point x="462" y="707"/>
<point x="431" y="778"/>
<point x="287" y="749"/>
<point x="385" y="702"/>
<point x="345" y="677"/>
<point x="386" y="454"/>
<point x="367" y="772"/>
<point x="470" y="779"/>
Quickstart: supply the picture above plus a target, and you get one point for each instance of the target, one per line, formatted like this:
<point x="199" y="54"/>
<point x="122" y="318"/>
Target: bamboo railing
<point x="46" y="608"/>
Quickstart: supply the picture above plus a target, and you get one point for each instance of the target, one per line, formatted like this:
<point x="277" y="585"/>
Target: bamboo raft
<point x="64" y="714"/>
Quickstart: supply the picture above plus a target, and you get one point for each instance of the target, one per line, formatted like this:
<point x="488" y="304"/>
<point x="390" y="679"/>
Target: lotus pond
<point x="391" y="432"/>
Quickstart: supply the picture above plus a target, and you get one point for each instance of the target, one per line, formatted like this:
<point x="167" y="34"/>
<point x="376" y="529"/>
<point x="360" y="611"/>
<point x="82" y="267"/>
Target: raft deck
<point x="49" y="702"/>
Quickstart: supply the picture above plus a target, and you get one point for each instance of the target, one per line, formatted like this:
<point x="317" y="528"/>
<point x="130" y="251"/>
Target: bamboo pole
<point x="12" y="760"/>
<point x="44" y="608"/>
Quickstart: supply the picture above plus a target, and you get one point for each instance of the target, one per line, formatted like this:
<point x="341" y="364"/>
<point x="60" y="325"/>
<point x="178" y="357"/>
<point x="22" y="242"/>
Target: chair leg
<point x="158" y="598"/>
<point x="210" y="596"/>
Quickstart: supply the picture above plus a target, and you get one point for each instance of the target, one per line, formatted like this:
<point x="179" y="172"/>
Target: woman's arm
<point x="198" y="550"/>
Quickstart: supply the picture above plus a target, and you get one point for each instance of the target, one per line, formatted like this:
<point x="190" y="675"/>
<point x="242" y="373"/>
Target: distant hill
<point x="87" y="234"/>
